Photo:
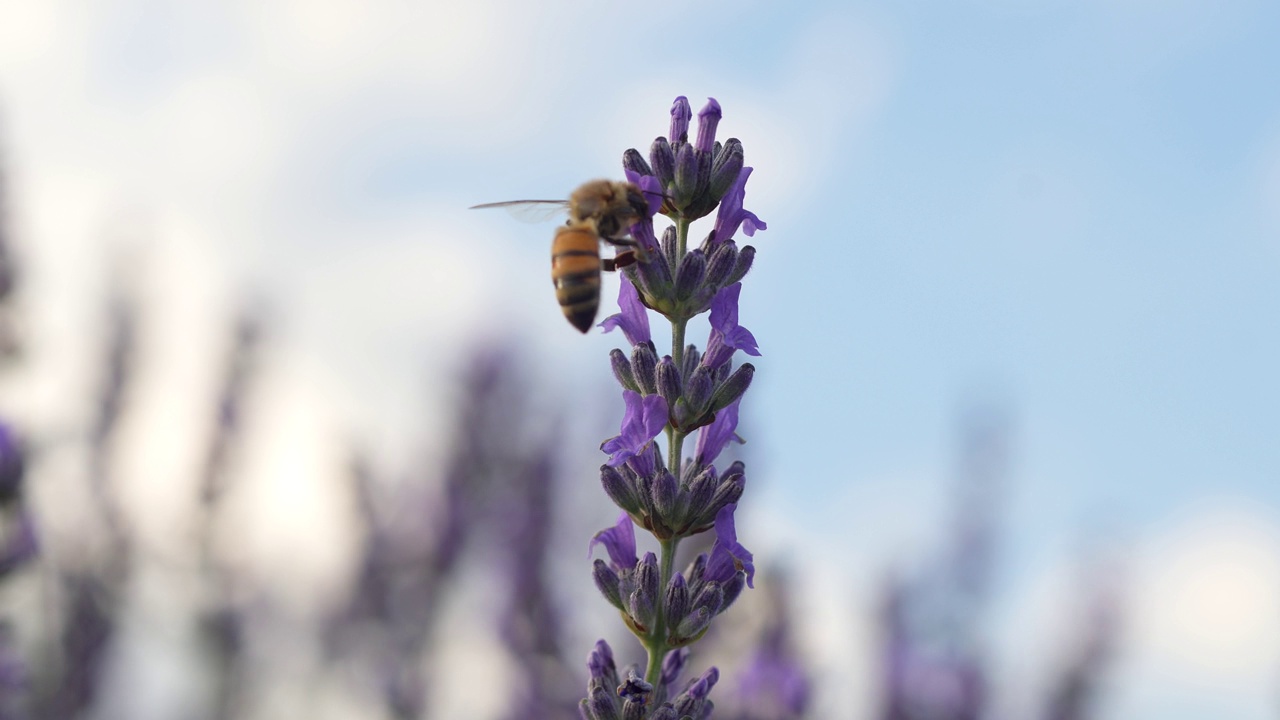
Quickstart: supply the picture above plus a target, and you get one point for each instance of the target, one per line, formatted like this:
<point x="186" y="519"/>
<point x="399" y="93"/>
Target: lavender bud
<point x="618" y="489"/>
<point x="693" y="623"/>
<point x="607" y="582"/>
<point x="690" y="274"/>
<point x="698" y="499"/>
<point x="632" y="160"/>
<point x="708" y="119"/>
<point x="733" y="388"/>
<point x="686" y="180"/>
<point x="622" y="370"/>
<point x="669" y="247"/>
<point x="688" y="471"/>
<point x="655" y="282"/>
<point x="691" y="360"/>
<point x="696" y="568"/>
<point x="634" y="708"/>
<point x="644" y="362"/>
<point x="600" y="663"/>
<point x="723" y="260"/>
<point x="644" y="601"/>
<point x="663" y="160"/>
<point x="697" y="392"/>
<point x="665" y="493"/>
<point x="681" y="113"/>
<point x="745" y="258"/>
<point x="666" y="711"/>
<point x="710" y="598"/>
<point x="728" y="491"/>
<point x="644" y="495"/>
<point x="682" y="415"/>
<point x="601" y="705"/>
<point x="732" y="589"/>
<point x="725" y="169"/>
<point x="676" y="605"/>
<point x="667" y="378"/>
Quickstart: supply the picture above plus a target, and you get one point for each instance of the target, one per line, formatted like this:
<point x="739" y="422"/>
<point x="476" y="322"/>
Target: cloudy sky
<point x="1068" y="211"/>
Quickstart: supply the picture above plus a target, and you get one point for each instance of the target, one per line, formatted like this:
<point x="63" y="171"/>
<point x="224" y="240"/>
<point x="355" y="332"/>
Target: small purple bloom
<point x="633" y="318"/>
<point x="714" y="437"/>
<point x="650" y="186"/>
<point x="619" y="541"/>
<point x="727" y="556"/>
<point x="726" y="334"/>
<point x="643" y="420"/>
<point x="681" y="112"/>
<point x="708" y="119"/>
<point x="731" y="214"/>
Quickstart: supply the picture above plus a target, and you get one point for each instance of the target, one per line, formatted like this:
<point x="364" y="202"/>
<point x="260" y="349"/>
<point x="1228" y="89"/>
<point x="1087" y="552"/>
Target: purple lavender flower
<point x="619" y="541"/>
<point x="680" y="391"/>
<point x="708" y="119"/>
<point x="643" y="420"/>
<point x="714" y="437"/>
<point x="681" y="113"/>
<point x="633" y="319"/>
<point x="732" y="215"/>
<point x="726" y="334"/>
<point x="728" y="556"/>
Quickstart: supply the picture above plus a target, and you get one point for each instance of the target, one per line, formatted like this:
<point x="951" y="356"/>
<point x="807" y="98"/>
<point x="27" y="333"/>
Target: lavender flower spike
<point x="726" y="334"/>
<point x="643" y="419"/>
<point x="633" y="319"/>
<point x="727" y="555"/>
<point x="731" y="214"/>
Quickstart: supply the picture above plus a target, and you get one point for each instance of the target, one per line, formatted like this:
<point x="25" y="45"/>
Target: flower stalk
<point x="686" y="391"/>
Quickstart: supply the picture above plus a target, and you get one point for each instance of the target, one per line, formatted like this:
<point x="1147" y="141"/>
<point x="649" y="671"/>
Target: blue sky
<point x="1070" y="211"/>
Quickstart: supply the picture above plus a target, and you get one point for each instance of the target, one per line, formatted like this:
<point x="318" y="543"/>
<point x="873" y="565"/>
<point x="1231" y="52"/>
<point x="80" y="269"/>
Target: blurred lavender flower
<point x="1075" y="694"/>
<point x="223" y="621"/>
<point x="932" y="654"/>
<point x="774" y="684"/>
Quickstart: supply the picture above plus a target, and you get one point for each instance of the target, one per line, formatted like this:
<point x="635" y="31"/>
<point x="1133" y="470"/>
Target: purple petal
<point x="708" y="119"/>
<point x="633" y="318"/>
<point x="713" y="438"/>
<point x="727" y="556"/>
<point x="731" y="214"/>
<point x="655" y="416"/>
<point x="619" y="541"/>
<point x="741" y="338"/>
<point x="724" y="308"/>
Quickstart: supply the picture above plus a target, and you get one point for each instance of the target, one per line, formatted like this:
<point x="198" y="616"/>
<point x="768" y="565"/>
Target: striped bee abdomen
<point x="575" y="272"/>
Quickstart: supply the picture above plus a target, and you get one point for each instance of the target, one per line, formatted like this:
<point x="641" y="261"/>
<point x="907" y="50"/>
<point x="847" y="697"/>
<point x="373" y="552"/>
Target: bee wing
<point x="530" y="211"/>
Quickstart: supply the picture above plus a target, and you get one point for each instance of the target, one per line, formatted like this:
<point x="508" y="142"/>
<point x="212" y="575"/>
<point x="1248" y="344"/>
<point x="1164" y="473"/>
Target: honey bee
<point x="598" y="210"/>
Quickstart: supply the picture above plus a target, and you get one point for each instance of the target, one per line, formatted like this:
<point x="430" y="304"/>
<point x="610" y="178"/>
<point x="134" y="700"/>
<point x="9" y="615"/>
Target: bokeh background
<point x="1052" y="225"/>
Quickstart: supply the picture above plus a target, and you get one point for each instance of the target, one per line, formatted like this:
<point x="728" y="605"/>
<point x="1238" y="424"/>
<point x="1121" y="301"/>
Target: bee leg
<point x="622" y="260"/>
<point x="637" y="250"/>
